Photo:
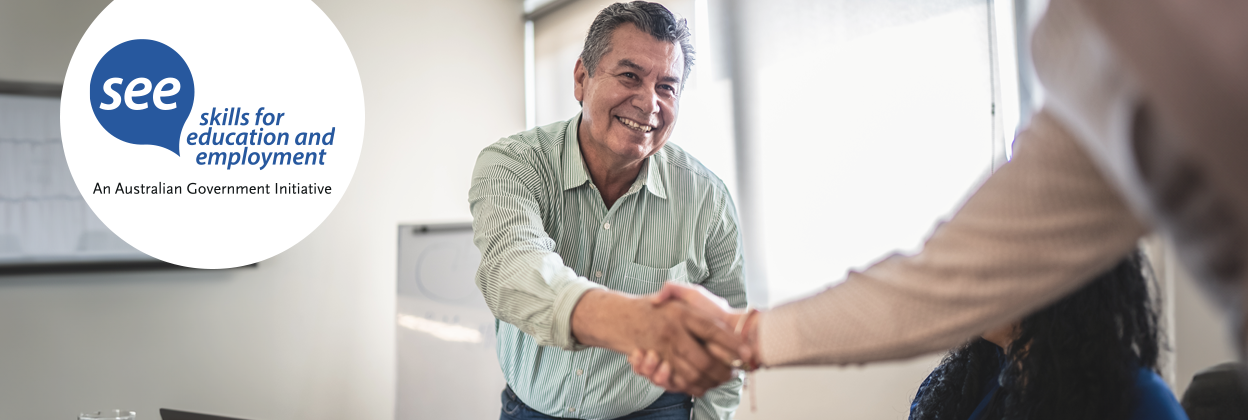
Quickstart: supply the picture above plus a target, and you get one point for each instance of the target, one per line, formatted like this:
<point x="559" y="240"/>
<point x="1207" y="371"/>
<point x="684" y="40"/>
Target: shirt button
<point x="578" y="371"/>
<point x="598" y="274"/>
<point x="606" y="226"/>
<point x="571" y="409"/>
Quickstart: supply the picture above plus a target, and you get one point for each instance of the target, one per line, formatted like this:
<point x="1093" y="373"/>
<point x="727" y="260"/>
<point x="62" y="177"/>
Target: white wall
<point x="37" y="38"/>
<point x="307" y="334"/>
<point x="875" y="391"/>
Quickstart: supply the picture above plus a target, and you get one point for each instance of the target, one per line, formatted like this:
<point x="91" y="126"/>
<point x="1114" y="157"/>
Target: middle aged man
<point x="577" y="218"/>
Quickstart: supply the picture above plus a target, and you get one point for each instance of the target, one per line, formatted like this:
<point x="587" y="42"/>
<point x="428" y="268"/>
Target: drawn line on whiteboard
<point x="440" y="330"/>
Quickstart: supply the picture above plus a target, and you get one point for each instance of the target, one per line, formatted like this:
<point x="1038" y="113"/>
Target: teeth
<point x="635" y="126"/>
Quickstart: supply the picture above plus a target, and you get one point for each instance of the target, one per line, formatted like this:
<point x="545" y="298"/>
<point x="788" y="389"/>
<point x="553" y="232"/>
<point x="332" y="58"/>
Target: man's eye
<point x="630" y="75"/>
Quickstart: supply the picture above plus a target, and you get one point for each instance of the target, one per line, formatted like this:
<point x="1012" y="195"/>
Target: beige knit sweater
<point x="1038" y="228"/>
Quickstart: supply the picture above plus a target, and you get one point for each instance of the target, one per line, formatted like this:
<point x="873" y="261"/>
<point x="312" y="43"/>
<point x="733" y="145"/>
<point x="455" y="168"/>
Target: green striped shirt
<point x="546" y="238"/>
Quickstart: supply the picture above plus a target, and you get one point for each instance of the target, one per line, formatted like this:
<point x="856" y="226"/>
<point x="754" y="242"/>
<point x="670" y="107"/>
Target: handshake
<point x="682" y="338"/>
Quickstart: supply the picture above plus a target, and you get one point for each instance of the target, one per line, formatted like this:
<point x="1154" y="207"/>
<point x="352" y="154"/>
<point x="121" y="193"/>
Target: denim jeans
<point x="669" y="406"/>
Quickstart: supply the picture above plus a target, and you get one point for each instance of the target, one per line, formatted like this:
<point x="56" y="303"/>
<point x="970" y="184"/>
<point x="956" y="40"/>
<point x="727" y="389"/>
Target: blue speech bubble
<point x="142" y="93"/>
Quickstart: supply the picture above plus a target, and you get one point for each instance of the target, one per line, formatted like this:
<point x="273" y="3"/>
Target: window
<point x="871" y="120"/>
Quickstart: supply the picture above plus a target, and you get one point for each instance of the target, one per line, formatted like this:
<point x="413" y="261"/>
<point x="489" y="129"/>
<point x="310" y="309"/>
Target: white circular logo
<point x="212" y="135"/>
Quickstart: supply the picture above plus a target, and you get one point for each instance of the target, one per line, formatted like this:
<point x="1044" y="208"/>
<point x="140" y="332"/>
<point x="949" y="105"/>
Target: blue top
<point x="1155" y="401"/>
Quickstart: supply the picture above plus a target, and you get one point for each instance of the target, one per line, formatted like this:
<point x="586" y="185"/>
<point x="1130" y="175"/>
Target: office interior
<point x="892" y="110"/>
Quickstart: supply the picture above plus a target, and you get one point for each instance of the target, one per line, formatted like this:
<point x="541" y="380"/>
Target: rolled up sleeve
<point x="524" y="282"/>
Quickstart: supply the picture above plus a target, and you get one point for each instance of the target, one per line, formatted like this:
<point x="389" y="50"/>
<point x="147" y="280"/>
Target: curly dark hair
<point x="1075" y="359"/>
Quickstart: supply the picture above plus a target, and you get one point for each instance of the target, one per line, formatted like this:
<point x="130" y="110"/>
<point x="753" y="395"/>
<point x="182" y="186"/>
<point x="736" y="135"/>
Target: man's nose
<point x="647" y="101"/>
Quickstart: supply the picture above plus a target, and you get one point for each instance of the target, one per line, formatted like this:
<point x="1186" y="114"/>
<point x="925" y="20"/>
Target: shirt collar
<point x="576" y="174"/>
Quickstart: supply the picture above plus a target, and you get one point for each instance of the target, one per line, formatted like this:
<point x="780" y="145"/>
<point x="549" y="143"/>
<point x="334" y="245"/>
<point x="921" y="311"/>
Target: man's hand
<point x="672" y="330"/>
<point x="652" y="365"/>
<point x="699" y="299"/>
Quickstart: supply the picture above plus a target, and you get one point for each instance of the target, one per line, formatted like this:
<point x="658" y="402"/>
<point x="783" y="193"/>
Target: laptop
<point x="167" y="414"/>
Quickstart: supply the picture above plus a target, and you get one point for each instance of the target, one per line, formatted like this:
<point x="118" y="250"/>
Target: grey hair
<point x="651" y="18"/>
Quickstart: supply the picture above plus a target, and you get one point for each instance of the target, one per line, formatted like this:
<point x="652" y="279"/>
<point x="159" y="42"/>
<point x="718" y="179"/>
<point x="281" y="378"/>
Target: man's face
<point x="629" y="104"/>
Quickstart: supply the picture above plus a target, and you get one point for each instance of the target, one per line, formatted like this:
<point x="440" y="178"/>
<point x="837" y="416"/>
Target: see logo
<point x="142" y="93"/>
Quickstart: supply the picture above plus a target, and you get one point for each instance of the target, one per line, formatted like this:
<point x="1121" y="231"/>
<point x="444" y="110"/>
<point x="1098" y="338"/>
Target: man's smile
<point x="634" y="125"/>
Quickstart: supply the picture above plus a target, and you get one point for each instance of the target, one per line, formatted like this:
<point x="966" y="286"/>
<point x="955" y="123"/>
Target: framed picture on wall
<point x="45" y="225"/>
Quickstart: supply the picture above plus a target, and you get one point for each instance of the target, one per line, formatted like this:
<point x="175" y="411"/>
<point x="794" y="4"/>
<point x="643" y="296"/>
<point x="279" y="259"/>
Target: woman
<point x="1091" y="355"/>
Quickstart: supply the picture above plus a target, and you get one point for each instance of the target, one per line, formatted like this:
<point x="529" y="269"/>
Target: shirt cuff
<point x="565" y="302"/>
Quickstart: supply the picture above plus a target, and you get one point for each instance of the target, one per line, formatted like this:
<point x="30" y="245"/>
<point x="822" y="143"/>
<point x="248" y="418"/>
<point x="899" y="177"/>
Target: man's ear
<point x="580" y="75"/>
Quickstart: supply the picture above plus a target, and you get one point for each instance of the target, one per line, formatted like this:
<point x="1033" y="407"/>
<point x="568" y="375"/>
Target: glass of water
<point x="107" y="415"/>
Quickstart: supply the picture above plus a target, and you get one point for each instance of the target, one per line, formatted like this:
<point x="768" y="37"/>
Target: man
<point x="577" y="218"/>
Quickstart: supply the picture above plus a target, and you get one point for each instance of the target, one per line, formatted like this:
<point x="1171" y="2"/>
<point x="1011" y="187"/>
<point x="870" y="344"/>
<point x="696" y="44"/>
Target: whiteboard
<point x="43" y="218"/>
<point x="446" y="364"/>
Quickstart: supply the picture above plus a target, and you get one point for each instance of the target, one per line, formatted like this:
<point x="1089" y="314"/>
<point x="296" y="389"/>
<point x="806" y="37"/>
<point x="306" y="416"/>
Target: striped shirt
<point x="546" y="238"/>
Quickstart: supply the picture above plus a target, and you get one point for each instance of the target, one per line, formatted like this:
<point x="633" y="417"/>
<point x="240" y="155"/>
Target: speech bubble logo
<point x="142" y="93"/>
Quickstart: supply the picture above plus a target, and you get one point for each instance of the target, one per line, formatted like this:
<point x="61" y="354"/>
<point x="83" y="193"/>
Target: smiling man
<point x="577" y="219"/>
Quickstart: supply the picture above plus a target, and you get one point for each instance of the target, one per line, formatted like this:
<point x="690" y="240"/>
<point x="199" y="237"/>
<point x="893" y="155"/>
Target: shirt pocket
<point x="640" y="279"/>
